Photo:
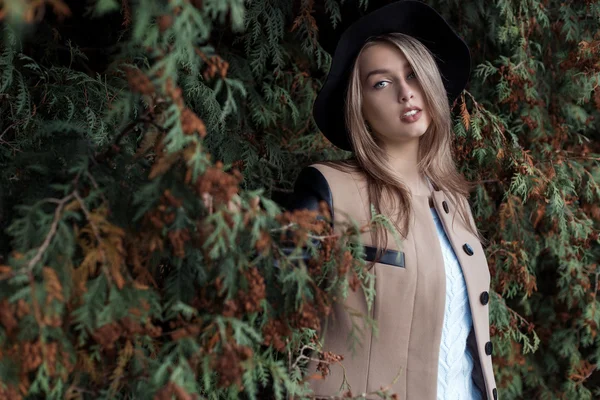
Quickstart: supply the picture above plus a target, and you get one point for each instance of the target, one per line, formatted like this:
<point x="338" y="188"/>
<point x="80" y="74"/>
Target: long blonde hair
<point x="435" y="155"/>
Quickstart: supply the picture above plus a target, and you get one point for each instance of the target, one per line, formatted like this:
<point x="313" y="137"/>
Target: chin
<point x="420" y="129"/>
<point x="405" y="134"/>
<point x="417" y="132"/>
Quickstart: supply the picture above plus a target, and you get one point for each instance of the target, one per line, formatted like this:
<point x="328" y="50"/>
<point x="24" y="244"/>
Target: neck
<point x="404" y="158"/>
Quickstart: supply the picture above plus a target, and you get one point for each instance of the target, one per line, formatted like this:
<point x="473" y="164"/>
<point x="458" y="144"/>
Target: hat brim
<point x="409" y="17"/>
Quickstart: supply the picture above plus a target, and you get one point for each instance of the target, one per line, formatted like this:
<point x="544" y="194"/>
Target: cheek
<point x="370" y="110"/>
<point x="378" y="108"/>
<point x="428" y="118"/>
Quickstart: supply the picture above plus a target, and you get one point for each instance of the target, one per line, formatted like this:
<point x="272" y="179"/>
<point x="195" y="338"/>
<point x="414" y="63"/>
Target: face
<point x="393" y="101"/>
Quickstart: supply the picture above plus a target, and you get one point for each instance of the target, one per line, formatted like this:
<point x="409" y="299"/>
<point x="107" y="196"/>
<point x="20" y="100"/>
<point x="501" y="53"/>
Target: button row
<point x="484" y="297"/>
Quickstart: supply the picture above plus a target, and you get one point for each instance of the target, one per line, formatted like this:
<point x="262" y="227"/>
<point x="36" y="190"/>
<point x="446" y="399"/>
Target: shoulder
<point x="323" y="181"/>
<point x="318" y="179"/>
<point x="310" y="188"/>
<point x="309" y="178"/>
<point x="338" y="172"/>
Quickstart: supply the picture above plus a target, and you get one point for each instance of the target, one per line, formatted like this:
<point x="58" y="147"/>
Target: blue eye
<point x="376" y="86"/>
<point x="411" y="74"/>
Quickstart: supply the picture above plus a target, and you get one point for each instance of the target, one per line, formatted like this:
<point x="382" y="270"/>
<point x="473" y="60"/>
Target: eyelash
<point x="375" y="86"/>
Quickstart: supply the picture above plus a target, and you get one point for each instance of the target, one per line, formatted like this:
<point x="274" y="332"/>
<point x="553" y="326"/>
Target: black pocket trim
<point x="389" y="257"/>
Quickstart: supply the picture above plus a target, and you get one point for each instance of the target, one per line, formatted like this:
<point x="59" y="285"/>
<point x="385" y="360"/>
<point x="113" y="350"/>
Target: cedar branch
<point x="42" y="249"/>
<point x="96" y="233"/>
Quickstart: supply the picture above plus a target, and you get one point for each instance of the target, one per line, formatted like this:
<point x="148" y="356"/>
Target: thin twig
<point x="293" y="224"/>
<point x="114" y="146"/>
<point x="521" y="318"/>
<point x="594" y="296"/>
<point x="51" y="233"/>
<point x="95" y="184"/>
<point x="10" y="126"/>
<point x="301" y="356"/>
<point x="42" y="249"/>
<point x="15" y="149"/>
<point x="88" y="216"/>
<point x="283" y="228"/>
<point x="362" y="395"/>
<point x="82" y="390"/>
<point x="287" y="341"/>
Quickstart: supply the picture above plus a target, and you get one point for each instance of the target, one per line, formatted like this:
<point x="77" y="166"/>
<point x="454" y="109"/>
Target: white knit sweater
<point x="455" y="362"/>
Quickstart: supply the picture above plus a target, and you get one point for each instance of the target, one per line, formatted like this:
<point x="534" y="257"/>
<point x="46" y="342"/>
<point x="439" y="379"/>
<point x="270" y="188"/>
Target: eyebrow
<point x="383" y="71"/>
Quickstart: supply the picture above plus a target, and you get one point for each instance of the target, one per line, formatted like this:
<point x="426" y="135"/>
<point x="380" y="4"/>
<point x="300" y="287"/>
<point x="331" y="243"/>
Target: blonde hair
<point x="435" y="155"/>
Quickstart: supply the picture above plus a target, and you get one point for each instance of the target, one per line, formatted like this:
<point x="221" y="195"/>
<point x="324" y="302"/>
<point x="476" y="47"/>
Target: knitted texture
<point x="455" y="363"/>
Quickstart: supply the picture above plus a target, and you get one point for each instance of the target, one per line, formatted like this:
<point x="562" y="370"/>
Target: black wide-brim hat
<point x="409" y="17"/>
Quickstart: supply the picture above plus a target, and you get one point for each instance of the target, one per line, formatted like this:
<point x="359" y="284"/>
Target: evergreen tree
<point x="146" y="147"/>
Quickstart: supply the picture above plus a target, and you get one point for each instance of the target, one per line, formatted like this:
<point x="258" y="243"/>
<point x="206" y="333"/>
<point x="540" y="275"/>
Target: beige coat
<point x="409" y="303"/>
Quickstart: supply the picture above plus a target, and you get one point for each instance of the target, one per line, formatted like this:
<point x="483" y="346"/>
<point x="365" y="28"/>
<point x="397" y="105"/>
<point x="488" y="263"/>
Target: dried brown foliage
<point x="33" y="11"/>
<point x="326" y="359"/>
<point x="227" y="364"/>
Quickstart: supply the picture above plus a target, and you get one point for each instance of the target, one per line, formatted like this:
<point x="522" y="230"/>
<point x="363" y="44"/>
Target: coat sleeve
<point x="310" y="189"/>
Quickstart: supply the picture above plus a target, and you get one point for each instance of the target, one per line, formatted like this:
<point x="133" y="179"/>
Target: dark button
<point x="445" y="205"/>
<point x="495" y="393"/>
<point x="468" y="249"/>
<point x="485" y="297"/>
<point x="488" y="348"/>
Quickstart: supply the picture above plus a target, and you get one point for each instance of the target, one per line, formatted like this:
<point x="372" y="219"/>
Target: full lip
<point x="407" y="109"/>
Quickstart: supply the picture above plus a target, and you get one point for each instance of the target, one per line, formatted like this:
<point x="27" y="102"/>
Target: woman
<point x="386" y="99"/>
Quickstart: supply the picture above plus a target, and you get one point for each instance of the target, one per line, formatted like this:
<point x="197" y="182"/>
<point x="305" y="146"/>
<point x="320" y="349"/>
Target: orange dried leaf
<point x="90" y="262"/>
<point x="500" y="153"/>
<point x="7" y="318"/>
<point x="464" y="114"/>
<point x="148" y="142"/>
<point x="60" y="8"/>
<point x="163" y="164"/>
<point x="86" y="364"/>
<point x="140" y="286"/>
<point x="73" y="206"/>
<point x="538" y="215"/>
<point x="53" y="285"/>
<point x="122" y="361"/>
<point x="180" y="393"/>
<point x="315" y="376"/>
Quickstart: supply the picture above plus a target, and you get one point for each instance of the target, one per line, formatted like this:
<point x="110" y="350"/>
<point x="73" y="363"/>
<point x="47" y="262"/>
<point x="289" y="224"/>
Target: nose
<point x="406" y="93"/>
